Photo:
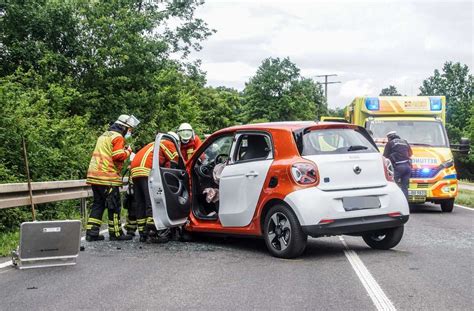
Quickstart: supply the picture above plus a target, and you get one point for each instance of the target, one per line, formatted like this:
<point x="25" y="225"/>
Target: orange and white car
<point x="283" y="182"/>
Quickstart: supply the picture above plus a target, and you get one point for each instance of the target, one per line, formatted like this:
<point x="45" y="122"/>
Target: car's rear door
<point x="242" y="179"/>
<point x="169" y="187"/>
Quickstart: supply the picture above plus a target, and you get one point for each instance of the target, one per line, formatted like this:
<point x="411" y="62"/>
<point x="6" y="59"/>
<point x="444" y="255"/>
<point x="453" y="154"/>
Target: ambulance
<point x="421" y="121"/>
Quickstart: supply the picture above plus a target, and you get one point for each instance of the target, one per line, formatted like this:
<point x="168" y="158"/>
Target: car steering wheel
<point x="205" y="170"/>
<point x="221" y="158"/>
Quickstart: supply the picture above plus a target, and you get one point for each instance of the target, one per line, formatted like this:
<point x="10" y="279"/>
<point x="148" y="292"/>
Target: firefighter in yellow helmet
<point x="189" y="141"/>
<point x="104" y="176"/>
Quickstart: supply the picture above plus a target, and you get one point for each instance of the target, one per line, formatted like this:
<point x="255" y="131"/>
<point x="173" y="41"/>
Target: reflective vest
<point x="187" y="150"/>
<point x="143" y="161"/>
<point x="102" y="168"/>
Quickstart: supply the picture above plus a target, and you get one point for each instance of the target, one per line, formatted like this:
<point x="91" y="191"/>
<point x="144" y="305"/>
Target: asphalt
<point x="431" y="269"/>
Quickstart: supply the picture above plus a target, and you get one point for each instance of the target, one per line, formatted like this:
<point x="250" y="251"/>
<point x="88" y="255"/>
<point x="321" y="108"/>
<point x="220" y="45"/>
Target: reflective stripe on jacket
<point x="143" y="161"/>
<point x="107" y="160"/>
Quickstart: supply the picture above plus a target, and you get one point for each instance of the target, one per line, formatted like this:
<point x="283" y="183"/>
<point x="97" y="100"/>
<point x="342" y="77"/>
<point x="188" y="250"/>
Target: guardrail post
<point x="83" y="209"/>
<point x="25" y="153"/>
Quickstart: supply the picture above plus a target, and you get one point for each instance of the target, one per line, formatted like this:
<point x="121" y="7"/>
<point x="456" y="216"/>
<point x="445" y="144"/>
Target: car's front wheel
<point x="282" y="233"/>
<point x="384" y="239"/>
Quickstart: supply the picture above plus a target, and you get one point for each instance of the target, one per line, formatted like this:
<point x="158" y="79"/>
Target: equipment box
<point x="48" y="244"/>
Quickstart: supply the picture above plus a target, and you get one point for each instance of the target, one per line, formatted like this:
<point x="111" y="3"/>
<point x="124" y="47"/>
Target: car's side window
<point x="252" y="147"/>
<point x="220" y="147"/>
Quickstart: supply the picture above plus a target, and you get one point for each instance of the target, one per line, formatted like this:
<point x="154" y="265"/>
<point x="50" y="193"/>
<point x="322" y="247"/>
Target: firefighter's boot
<point x="93" y="230"/>
<point x="115" y="231"/>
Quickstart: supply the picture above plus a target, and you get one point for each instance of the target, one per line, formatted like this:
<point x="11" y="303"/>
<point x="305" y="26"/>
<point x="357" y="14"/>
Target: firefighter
<point x="104" y="176"/>
<point x="399" y="152"/>
<point x="189" y="140"/>
<point x="140" y="170"/>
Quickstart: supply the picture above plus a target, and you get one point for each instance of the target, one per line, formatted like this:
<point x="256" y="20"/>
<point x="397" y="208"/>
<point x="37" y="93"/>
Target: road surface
<point x="431" y="269"/>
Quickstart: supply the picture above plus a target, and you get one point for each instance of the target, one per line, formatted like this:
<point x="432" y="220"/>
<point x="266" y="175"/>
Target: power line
<point x="326" y="82"/>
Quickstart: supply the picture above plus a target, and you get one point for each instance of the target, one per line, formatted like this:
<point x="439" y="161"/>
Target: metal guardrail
<point x="17" y="194"/>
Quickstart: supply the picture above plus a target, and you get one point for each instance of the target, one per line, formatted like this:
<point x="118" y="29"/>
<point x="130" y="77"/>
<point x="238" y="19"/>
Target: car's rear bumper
<point x="312" y="205"/>
<point x="355" y="225"/>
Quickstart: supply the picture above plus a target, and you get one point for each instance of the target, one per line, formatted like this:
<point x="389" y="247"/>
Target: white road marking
<point x="465" y="207"/>
<point x="375" y="292"/>
<point x="5" y="264"/>
<point x="9" y="263"/>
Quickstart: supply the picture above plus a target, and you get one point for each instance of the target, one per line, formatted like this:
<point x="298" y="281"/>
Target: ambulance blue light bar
<point x="435" y="103"/>
<point x="372" y="103"/>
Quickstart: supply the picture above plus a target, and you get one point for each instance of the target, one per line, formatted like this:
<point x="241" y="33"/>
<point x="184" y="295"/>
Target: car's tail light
<point x="325" y="221"/>
<point x="305" y="173"/>
<point x="395" y="214"/>
<point x="388" y="168"/>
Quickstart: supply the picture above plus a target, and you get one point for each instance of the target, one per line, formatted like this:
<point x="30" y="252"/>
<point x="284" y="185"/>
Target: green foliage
<point x="336" y="112"/>
<point x="58" y="144"/>
<point x="8" y="242"/>
<point x="465" y="198"/>
<point x="456" y="83"/>
<point x="68" y="68"/>
<point x="390" y="91"/>
<point x="278" y="92"/>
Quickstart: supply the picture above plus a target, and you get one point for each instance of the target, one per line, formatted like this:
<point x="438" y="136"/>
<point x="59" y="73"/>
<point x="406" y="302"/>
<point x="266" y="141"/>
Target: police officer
<point x="398" y="151"/>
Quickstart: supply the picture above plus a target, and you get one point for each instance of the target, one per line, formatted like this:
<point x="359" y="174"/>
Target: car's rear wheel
<point x="447" y="205"/>
<point x="282" y="233"/>
<point x="384" y="239"/>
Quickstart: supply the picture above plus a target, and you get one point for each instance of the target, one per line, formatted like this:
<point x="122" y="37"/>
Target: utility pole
<point x="326" y="85"/>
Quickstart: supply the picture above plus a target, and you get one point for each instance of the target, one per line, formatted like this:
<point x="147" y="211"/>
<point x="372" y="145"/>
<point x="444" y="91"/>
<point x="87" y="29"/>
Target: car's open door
<point x="169" y="186"/>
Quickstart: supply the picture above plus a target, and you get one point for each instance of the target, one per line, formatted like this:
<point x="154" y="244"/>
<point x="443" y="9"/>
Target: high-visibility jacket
<point x="188" y="149"/>
<point x="107" y="160"/>
<point x="143" y="160"/>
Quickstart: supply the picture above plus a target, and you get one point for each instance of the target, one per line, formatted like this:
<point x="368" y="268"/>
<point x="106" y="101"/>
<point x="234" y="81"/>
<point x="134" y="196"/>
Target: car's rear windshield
<point x="334" y="141"/>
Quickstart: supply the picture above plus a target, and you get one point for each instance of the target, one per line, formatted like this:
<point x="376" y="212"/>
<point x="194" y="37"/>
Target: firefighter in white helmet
<point x="190" y="142"/>
<point x="104" y="175"/>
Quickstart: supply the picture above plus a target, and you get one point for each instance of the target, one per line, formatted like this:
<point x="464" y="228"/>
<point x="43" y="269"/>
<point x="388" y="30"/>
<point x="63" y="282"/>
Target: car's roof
<point x="289" y="125"/>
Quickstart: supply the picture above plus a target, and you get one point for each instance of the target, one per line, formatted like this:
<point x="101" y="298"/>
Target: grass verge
<point x="465" y="198"/>
<point x="8" y="242"/>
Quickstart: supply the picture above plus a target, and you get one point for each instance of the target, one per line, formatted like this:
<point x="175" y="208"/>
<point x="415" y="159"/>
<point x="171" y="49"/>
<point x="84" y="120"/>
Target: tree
<point x="390" y="91"/>
<point x="336" y="112"/>
<point x="456" y="83"/>
<point x="112" y="50"/>
<point x="278" y="92"/>
<point x="68" y="68"/>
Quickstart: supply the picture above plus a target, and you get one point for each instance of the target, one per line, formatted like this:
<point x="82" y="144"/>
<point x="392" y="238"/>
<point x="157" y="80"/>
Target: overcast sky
<point x="369" y="44"/>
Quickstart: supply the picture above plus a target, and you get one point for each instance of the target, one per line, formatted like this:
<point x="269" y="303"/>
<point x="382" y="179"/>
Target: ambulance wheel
<point x="282" y="233"/>
<point x="447" y="205"/>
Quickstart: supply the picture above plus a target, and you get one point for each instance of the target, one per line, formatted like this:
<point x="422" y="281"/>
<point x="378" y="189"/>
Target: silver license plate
<point x="417" y="193"/>
<point x="358" y="203"/>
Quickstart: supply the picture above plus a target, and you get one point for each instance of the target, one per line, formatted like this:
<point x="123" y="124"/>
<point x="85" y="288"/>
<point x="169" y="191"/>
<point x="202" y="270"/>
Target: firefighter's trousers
<point x="143" y="205"/>
<point x="105" y="197"/>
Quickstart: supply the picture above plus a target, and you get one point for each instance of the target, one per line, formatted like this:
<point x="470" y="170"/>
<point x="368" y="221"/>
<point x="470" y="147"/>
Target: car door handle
<point x="251" y="174"/>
